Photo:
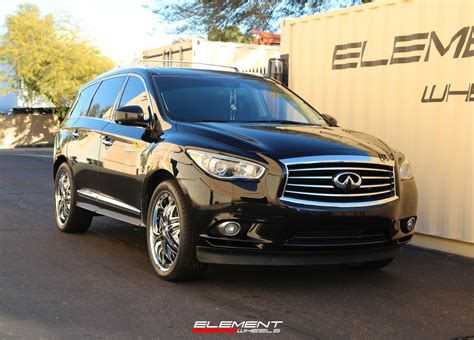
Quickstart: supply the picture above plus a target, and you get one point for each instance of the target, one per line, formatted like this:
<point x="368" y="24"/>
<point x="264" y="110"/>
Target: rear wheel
<point x="69" y="217"/>
<point x="370" y="265"/>
<point x="171" y="235"/>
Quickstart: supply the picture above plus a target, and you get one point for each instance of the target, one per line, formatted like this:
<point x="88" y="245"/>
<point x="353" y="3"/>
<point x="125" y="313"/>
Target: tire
<point x="171" y="235"/>
<point x="69" y="217"/>
<point x="370" y="265"/>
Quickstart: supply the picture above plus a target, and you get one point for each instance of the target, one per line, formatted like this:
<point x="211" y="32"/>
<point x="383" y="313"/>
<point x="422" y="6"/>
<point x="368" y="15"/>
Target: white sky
<point x="121" y="29"/>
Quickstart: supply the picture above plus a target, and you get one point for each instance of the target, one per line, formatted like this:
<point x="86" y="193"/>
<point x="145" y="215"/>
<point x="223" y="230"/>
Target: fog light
<point x="229" y="228"/>
<point x="411" y="224"/>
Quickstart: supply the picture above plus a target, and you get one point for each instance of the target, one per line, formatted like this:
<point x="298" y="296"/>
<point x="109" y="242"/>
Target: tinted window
<point x="244" y="99"/>
<point x="135" y="95"/>
<point x="104" y="99"/>
<point x="84" y="100"/>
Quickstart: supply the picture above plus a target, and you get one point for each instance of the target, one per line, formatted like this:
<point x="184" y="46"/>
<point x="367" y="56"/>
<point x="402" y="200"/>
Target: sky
<point x="121" y="29"/>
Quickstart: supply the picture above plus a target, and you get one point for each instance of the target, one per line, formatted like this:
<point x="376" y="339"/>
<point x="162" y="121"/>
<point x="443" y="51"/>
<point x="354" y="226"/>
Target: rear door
<point x="123" y="157"/>
<point x="81" y="105"/>
<point x="83" y="150"/>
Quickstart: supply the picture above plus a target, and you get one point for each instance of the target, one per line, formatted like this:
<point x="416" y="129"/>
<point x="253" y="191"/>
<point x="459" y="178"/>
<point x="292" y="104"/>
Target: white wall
<point x="243" y="56"/>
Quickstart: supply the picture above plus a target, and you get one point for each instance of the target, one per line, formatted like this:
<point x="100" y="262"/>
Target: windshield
<point x="232" y="99"/>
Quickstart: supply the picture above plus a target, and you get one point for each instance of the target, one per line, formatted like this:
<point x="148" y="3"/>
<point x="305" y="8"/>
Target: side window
<point x="84" y="100"/>
<point x="135" y="95"/>
<point x="104" y="99"/>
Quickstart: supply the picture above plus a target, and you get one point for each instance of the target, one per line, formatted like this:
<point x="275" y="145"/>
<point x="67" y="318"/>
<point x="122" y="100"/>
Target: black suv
<point x="227" y="167"/>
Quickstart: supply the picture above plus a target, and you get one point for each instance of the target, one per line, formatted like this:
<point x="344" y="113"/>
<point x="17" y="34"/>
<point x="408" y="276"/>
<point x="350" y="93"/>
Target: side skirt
<point x="109" y="213"/>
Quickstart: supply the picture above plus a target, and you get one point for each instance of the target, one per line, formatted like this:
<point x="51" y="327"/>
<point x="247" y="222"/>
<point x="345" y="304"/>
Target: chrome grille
<point x="310" y="181"/>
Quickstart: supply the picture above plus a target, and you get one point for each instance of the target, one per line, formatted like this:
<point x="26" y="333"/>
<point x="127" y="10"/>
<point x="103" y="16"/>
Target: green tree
<point x="231" y="33"/>
<point x="204" y="16"/>
<point x="47" y="58"/>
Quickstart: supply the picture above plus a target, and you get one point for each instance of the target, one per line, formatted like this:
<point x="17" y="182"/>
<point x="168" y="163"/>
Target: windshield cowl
<point x="272" y="122"/>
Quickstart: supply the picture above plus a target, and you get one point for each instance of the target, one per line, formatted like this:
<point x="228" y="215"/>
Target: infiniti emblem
<point x="347" y="180"/>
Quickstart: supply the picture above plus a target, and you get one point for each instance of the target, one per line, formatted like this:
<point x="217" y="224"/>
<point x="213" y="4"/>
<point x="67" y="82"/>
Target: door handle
<point x="75" y="134"/>
<point x="107" y="141"/>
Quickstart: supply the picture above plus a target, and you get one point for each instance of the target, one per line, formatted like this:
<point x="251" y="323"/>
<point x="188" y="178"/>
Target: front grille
<point x="310" y="181"/>
<point x="342" y="232"/>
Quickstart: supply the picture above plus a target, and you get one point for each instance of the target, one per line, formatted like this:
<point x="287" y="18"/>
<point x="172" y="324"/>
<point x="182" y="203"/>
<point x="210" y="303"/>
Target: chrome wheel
<point x="165" y="228"/>
<point x="62" y="197"/>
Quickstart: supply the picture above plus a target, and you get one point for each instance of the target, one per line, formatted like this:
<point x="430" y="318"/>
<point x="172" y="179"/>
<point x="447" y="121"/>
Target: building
<point x="266" y="38"/>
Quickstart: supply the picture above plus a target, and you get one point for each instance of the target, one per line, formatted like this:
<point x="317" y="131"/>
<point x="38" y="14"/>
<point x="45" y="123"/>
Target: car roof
<point x="145" y="71"/>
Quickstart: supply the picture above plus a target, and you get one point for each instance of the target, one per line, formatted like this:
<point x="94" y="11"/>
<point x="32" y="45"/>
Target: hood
<point x="285" y="141"/>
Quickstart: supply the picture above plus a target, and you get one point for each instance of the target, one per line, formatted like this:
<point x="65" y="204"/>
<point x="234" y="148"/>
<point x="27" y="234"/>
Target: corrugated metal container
<point x="246" y="57"/>
<point x="403" y="71"/>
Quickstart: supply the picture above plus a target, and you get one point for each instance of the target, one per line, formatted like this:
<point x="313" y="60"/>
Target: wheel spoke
<point x="174" y="219"/>
<point x="61" y="186"/>
<point x="170" y="253"/>
<point x="173" y="226"/>
<point x="175" y="236"/>
<point x="155" y="222"/>
<point x="170" y="242"/>
<point x="67" y="184"/>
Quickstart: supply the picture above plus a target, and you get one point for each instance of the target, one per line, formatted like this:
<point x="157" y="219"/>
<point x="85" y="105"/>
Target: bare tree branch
<point x="202" y="16"/>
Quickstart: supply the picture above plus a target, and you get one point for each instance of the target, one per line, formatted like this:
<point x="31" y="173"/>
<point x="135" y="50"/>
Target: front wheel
<point x="171" y="235"/>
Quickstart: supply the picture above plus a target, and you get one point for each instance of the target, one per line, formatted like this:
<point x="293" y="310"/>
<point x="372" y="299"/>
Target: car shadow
<point x="271" y="276"/>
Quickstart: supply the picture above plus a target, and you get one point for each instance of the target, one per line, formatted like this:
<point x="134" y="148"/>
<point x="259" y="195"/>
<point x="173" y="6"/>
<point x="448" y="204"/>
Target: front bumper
<point x="290" y="258"/>
<point x="274" y="233"/>
<point x="304" y="238"/>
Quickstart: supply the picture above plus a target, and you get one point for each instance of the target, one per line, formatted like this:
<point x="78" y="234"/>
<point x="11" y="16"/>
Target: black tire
<point x="185" y="266"/>
<point x="78" y="220"/>
<point x="370" y="265"/>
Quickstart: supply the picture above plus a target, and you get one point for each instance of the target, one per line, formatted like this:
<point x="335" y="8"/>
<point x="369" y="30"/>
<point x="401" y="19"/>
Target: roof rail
<point x="187" y="62"/>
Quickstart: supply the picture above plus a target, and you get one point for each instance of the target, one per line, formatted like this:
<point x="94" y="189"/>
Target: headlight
<point x="406" y="170"/>
<point x="226" y="167"/>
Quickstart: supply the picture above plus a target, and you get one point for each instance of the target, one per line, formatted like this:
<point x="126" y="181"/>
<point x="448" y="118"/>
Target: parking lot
<point x="100" y="284"/>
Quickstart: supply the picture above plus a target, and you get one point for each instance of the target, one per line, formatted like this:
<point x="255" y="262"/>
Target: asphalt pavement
<point x="101" y="284"/>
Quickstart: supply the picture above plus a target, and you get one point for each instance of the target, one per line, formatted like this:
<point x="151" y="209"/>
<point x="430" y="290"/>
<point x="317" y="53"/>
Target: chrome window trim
<point x="122" y="90"/>
<point x="117" y="99"/>
<point x="69" y="114"/>
<point x="340" y="159"/>
<point x="107" y="200"/>
<point x="114" y="106"/>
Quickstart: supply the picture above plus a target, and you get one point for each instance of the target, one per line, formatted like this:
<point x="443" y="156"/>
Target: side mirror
<point x="131" y="115"/>
<point x="330" y="119"/>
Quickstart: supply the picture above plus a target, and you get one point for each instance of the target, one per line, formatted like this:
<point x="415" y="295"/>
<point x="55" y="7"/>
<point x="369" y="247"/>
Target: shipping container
<point x="401" y="70"/>
<point x="246" y="57"/>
